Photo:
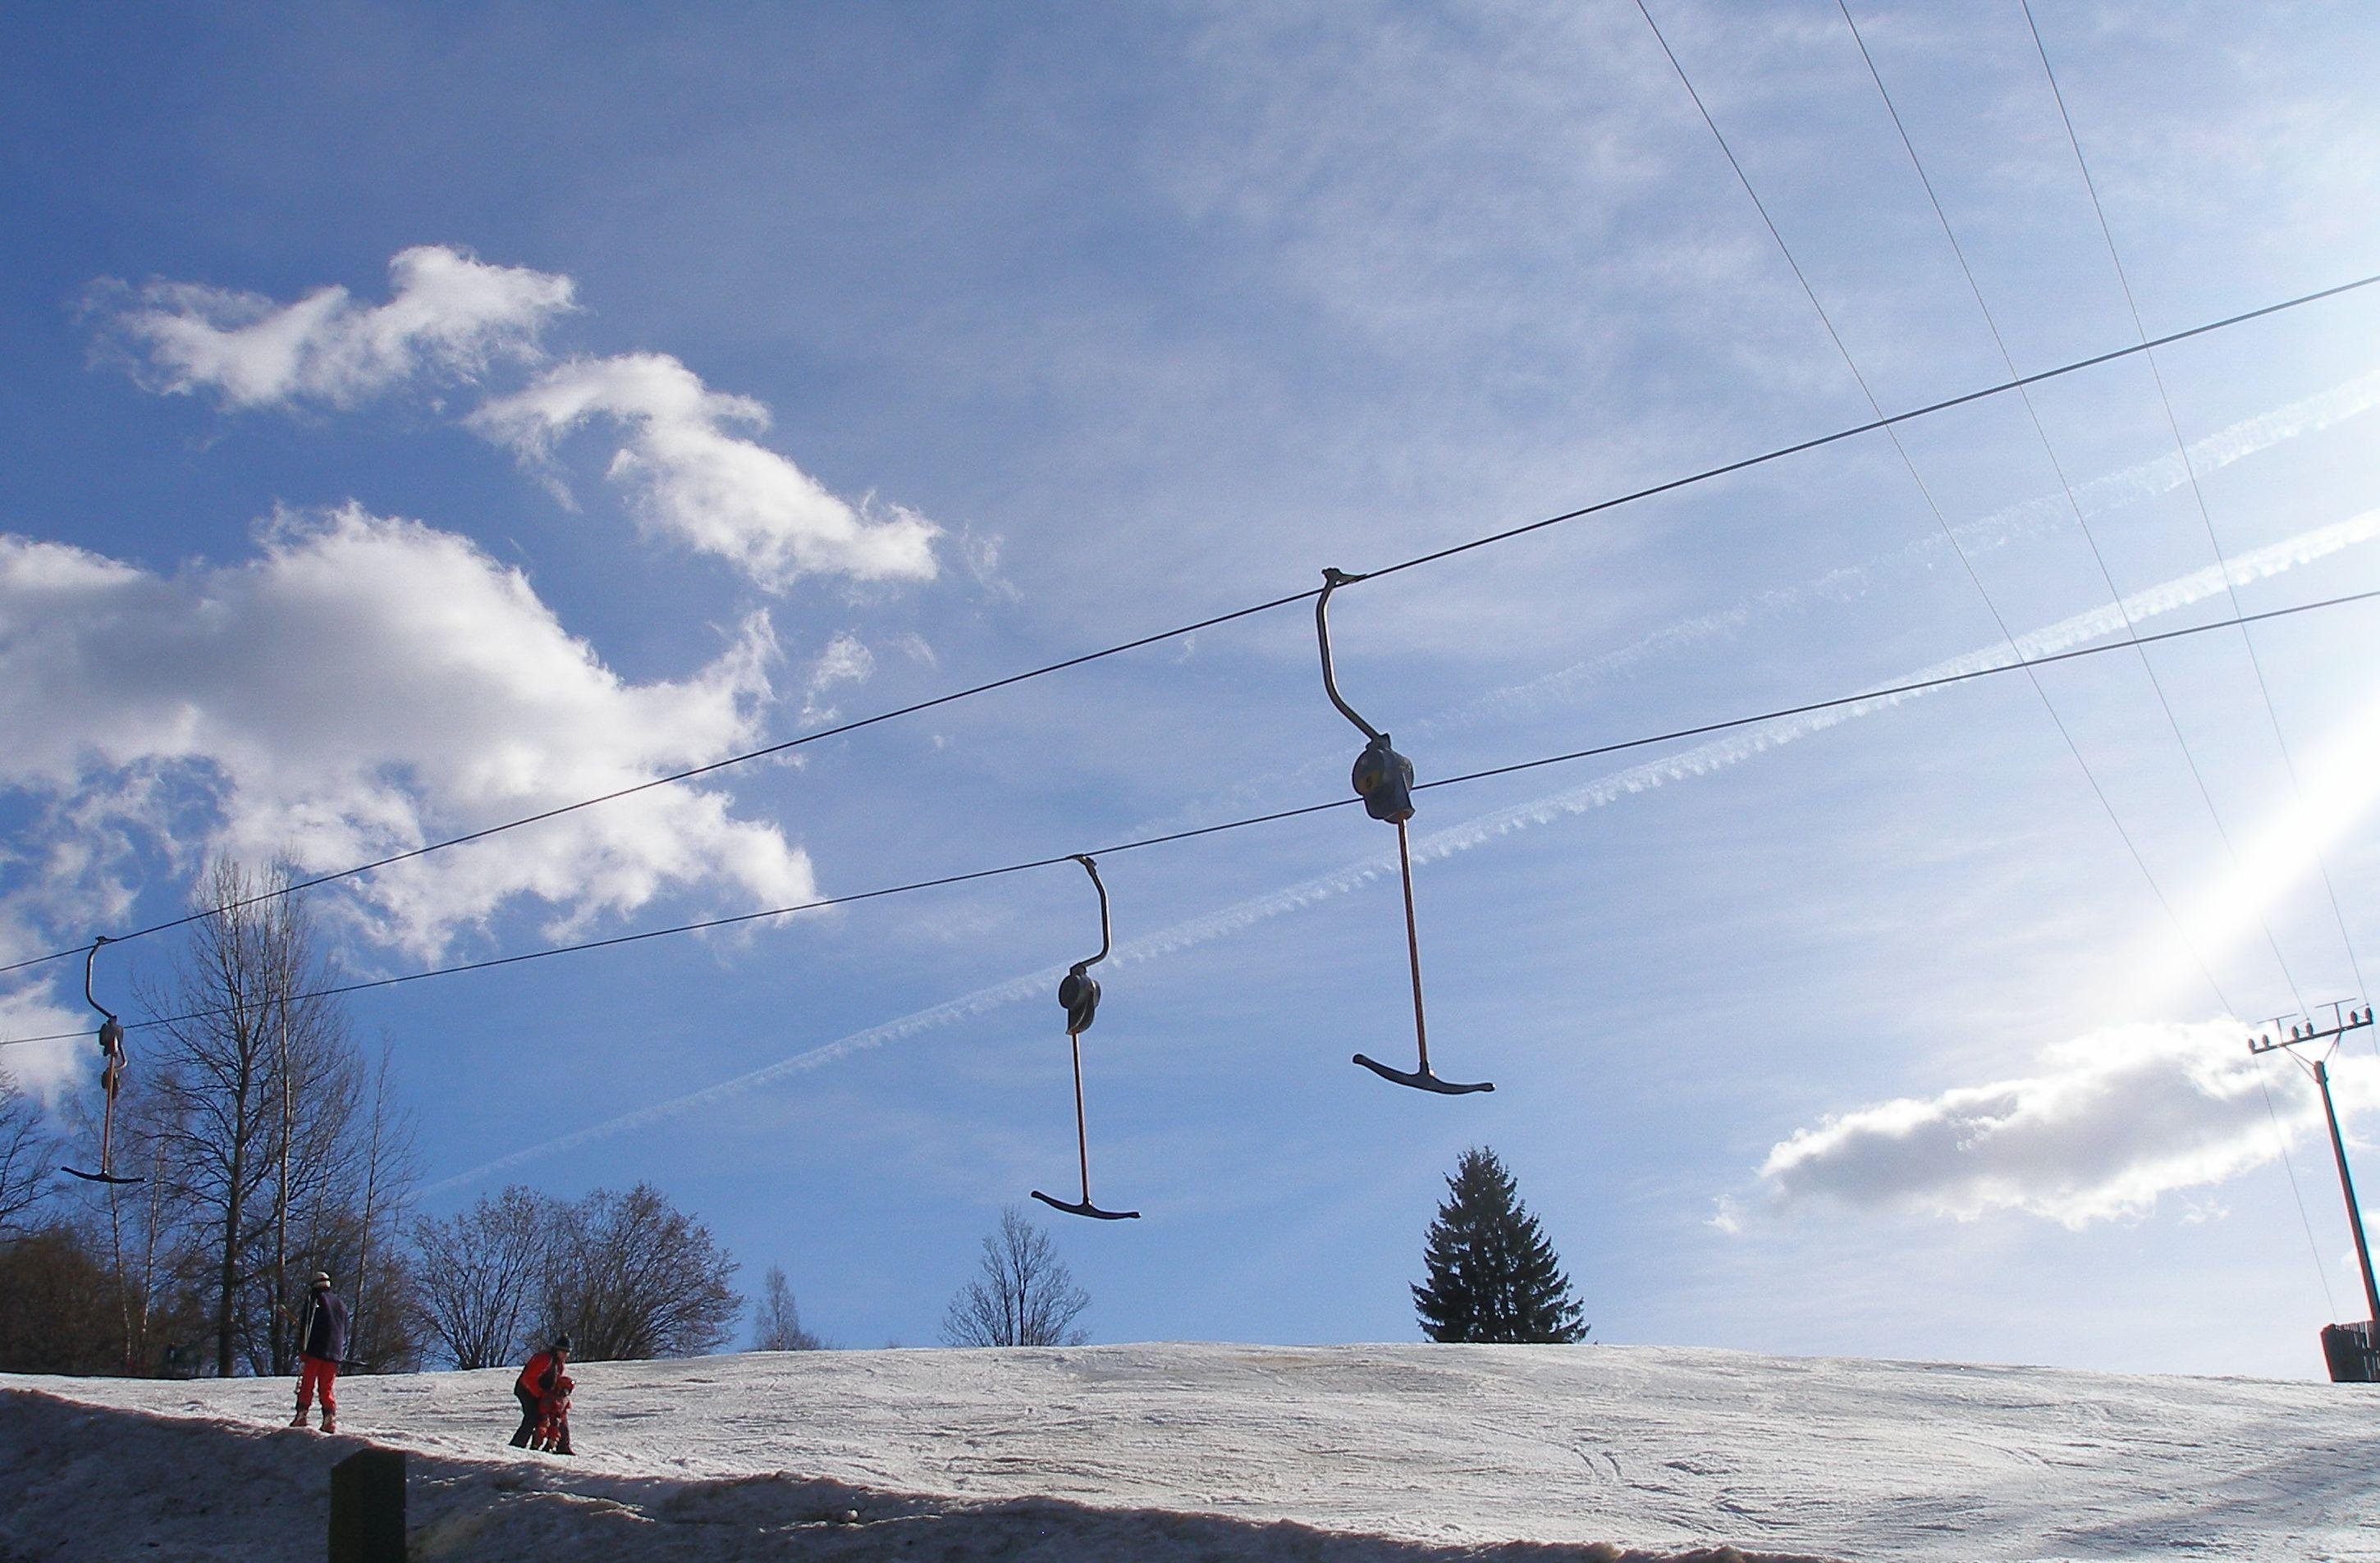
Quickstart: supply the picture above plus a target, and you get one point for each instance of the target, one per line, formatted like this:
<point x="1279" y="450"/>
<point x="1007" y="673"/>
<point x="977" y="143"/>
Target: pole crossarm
<point x="2344" y="1019"/>
<point x="2273" y="1041"/>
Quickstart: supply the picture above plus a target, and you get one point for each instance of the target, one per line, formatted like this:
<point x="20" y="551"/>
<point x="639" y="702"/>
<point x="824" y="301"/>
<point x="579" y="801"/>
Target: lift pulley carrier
<point x="1078" y="993"/>
<point x="1384" y="779"/>
<point x="111" y="1076"/>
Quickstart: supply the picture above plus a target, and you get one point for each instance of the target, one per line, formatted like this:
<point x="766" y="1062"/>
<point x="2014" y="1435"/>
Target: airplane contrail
<point x="2115" y="490"/>
<point x="2127" y="486"/>
<point x="1702" y="759"/>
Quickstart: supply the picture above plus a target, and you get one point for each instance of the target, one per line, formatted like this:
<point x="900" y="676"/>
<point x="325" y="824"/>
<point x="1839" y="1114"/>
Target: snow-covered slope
<point x="1445" y="1446"/>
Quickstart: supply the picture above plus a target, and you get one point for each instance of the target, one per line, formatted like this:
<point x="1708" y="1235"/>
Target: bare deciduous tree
<point x="28" y="1155"/>
<point x="259" y="1092"/>
<point x="481" y="1273"/>
<point x="630" y="1276"/>
<point x="382" y="1313"/>
<point x="777" y="1321"/>
<point x="157" y="1305"/>
<point x="1026" y="1295"/>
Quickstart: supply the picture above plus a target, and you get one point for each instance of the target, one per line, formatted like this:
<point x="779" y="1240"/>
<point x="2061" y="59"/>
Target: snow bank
<point x="1163" y="1452"/>
<point x="85" y="1482"/>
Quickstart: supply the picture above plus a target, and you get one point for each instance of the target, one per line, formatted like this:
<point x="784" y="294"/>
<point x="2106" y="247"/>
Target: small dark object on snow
<point x="367" y="1508"/>
<point x="2348" y="1350"/>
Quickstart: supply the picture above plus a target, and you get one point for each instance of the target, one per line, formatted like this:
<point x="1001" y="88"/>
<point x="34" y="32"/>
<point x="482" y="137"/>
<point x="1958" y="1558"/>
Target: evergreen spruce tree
<point x="1493" y="1277"/>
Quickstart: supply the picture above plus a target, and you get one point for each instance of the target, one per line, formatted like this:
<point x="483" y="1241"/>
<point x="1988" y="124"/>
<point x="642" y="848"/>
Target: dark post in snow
<point x="2341" y="1026"/>
<point x="367" y="1508"/>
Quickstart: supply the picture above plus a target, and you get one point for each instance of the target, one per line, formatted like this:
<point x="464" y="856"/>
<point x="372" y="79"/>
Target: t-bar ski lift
<point x="1078" y="993"/>
<point x="111" y="1076"/>
<point x="1384" y="779"/>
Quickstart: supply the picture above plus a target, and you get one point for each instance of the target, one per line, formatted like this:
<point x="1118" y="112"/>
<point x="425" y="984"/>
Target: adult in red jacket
<point x="322" y="1342"/>
<point x="540" y="1382"/>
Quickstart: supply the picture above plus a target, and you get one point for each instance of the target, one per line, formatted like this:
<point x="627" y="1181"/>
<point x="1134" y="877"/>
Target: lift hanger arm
<point x="1331" y="581"/>
<point x="87" y="961"/>
<point x="1107" y="938"/>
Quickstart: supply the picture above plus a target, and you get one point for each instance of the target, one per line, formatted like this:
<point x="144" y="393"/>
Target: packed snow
<point x="1179" y="1451"/>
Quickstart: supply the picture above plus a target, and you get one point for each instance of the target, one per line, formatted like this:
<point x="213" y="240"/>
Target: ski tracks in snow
<point x="1317" y="1453"/>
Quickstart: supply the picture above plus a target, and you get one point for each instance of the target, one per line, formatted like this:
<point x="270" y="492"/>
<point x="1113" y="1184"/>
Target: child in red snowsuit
<point x="543" y="1391"/>
<point x="554" y="1419"/>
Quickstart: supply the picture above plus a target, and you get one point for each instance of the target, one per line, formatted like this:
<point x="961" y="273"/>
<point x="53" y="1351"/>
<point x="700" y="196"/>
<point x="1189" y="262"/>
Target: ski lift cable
<point x="1925" y="491"/>
<point x="1881" y="692"/>
<point x="2041" y="431"/>
<point x="1434" y="556"/>
<point x="2197" y="489"/>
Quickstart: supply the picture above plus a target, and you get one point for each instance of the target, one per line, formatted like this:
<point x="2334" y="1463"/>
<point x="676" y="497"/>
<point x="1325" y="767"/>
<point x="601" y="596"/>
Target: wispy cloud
<point x="447" y="313"/>
<point x="846" y="660"/>
<point x="715" y="490"/>
<point x="1702" y="759"/>
<point x="2044" y="512"/>
<point x="2011" y="524"/>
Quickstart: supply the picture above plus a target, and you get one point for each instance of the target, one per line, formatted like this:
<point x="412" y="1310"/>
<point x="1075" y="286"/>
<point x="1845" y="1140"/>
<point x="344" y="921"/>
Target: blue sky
<point x="693" y="381"/>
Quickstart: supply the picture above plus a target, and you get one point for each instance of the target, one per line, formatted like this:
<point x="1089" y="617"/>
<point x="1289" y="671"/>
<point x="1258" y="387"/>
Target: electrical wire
<point x="2321" y="1270"/>
<point x="2189" y="469"/>
<point x="2041" y="431"/>
<point x="1881" y="692"/>
<point x="2018" y="382"/>
<point x="1925" y="492"/>
<point x="2223" y="567"/>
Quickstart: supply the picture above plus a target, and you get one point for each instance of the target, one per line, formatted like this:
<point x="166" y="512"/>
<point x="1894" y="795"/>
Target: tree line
<point x="269" y="1145"/>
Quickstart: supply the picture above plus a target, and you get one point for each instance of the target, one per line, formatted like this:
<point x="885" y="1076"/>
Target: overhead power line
<point x="1669" y="486"/>
<point x="1701" y="730"/>
<point x="2041" y="432"/>
<point x="2189" y="469"/>
<point x="2206" y="519"/>
<point x="1925" y="492"/>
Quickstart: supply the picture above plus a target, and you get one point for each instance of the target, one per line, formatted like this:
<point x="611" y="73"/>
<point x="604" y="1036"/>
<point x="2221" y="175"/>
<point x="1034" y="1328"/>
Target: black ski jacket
<point x="325" y="1332"/>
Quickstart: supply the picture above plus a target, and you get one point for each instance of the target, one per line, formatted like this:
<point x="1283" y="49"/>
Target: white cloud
<point x="44" y="1069"/>
<point x="688" y="473"/>
<point x="447" y="314"/>
<point x="713" y="490"/>
<point x="2106" y="1124"/>
<point x="361" y="685"/>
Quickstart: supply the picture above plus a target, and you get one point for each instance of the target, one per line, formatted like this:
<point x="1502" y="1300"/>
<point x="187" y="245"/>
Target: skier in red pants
<point x="543" y="1391"/>
<point x="322" y="1342"/>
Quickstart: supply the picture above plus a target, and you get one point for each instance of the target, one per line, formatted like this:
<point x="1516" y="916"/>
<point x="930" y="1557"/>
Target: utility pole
<point x="2344" y="1019"/>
